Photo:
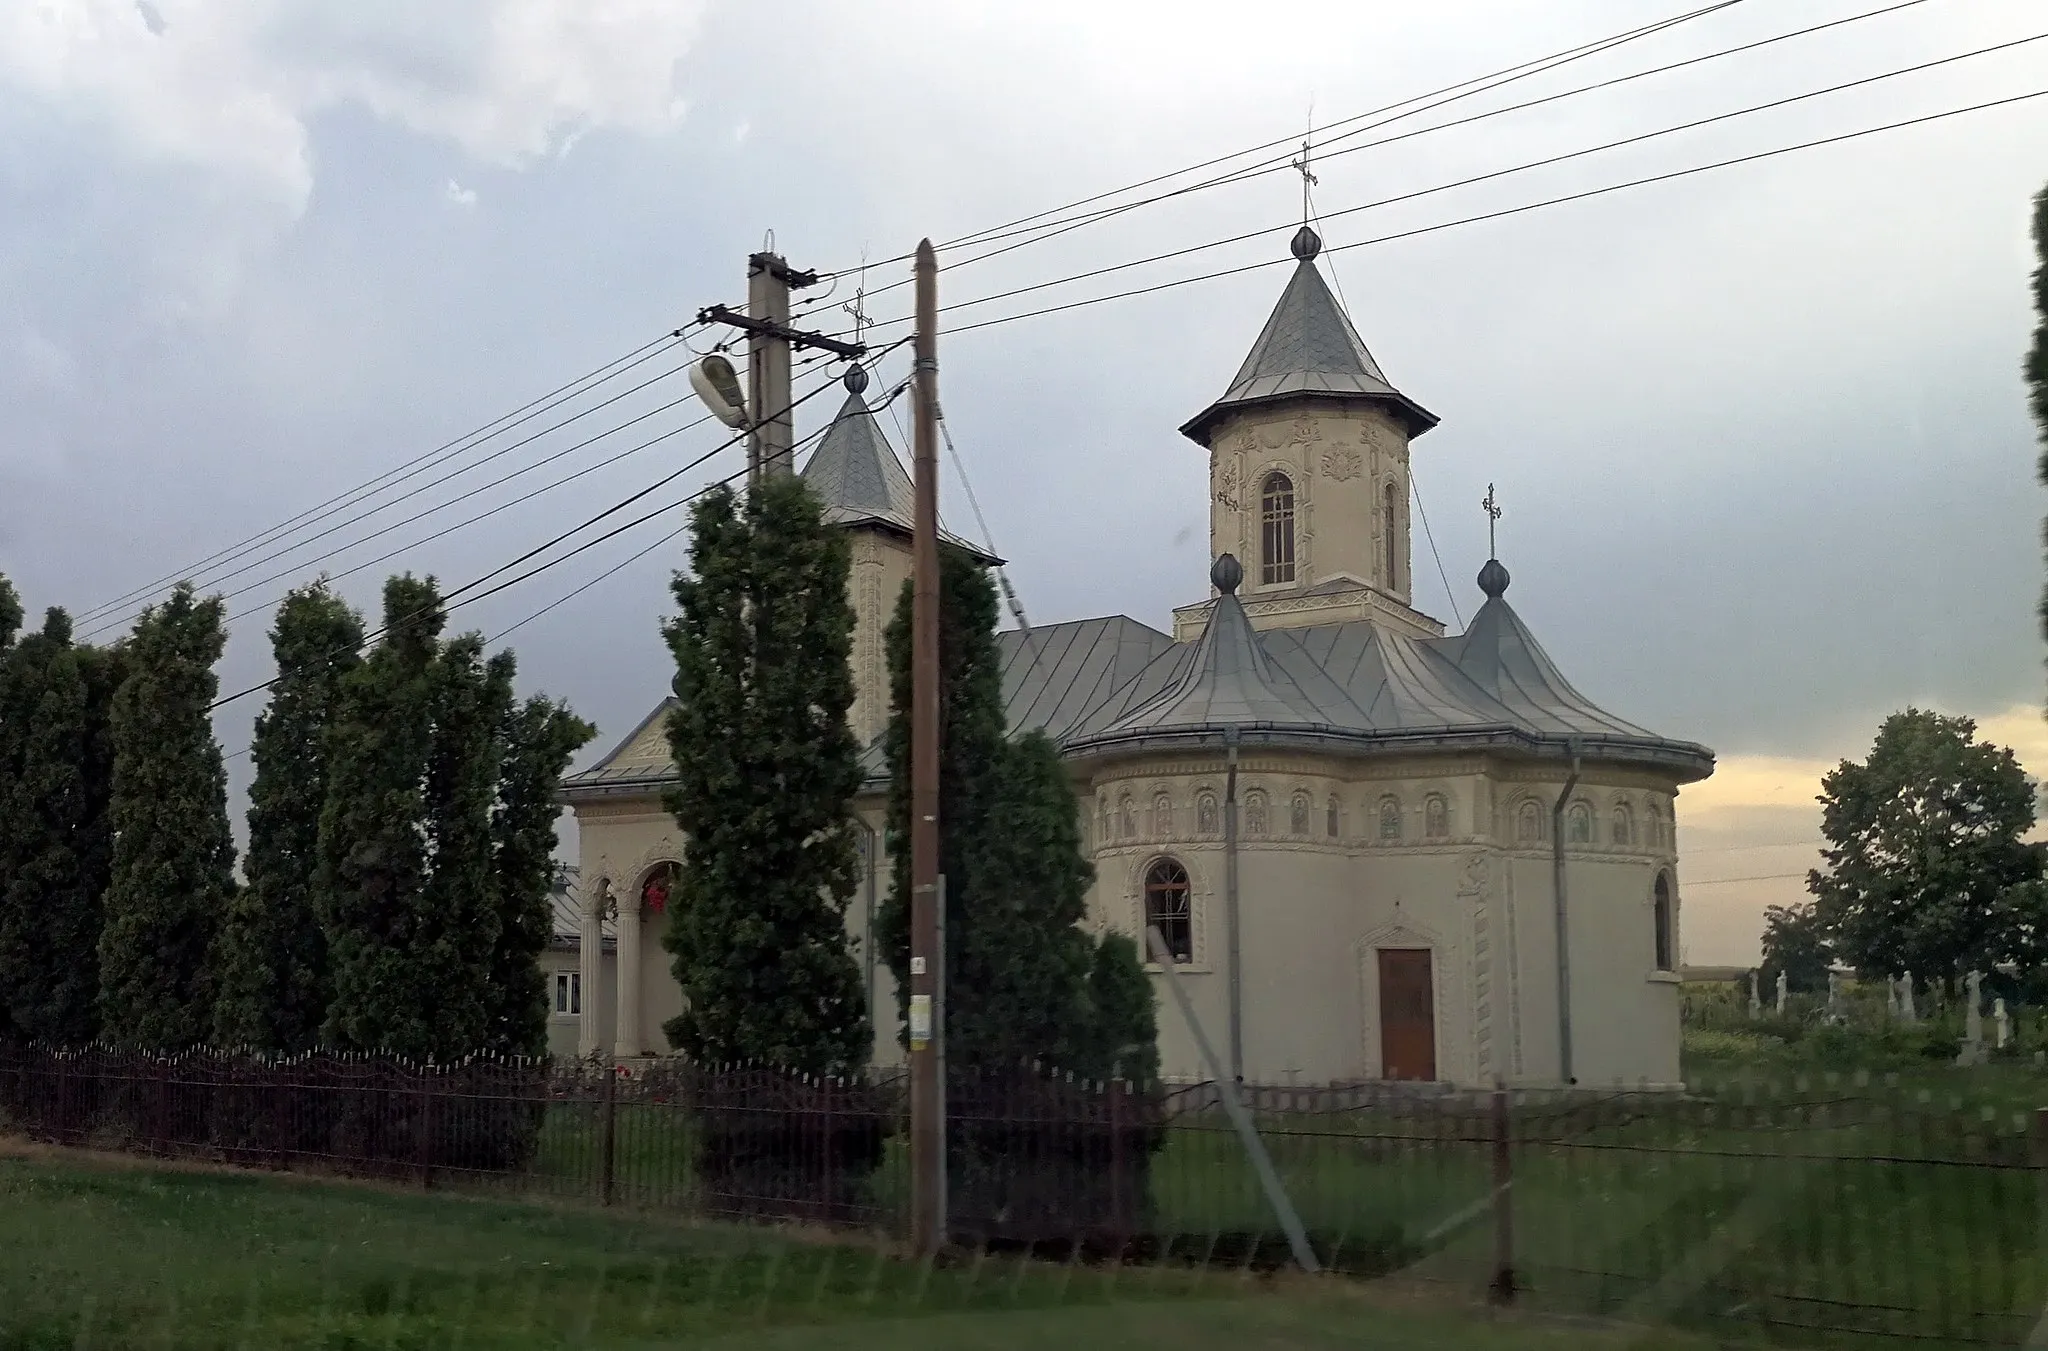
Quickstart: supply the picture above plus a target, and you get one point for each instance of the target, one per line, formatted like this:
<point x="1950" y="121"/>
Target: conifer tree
<point x="54" y="699"/>
<point x="1024" y="981"/>
<point x="173" y="855"/>
<point x="538" y="740"/>
<point x="272" y="960"/>
<point x="767" y="769"/>
<point x="373" y="848"/>
<point x="10" y="754"/>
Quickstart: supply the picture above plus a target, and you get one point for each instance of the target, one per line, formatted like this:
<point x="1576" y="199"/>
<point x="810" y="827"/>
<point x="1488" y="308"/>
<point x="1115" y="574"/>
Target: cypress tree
<point x="538" y="740"/>
<point x="173" y="856"/>
<point x="1024" y="981"/>
<point x="272" y="960"/>
<point x="373" y="855"/>
<point x="55" y="875"/>
<point x="10" y="754"/>
<point x="767" y="768"/>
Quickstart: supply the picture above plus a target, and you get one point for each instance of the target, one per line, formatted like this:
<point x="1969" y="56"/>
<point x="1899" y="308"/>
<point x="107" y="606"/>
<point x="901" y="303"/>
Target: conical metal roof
<point x="855" y="472"/>
<point x="1308" y="348"/>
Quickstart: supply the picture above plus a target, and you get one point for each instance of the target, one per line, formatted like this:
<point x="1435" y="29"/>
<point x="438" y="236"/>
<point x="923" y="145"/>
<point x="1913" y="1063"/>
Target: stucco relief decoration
<point x="1230" y="486"/>
<point x="1472" y="877"/>
<point x="1342" y="463"/>
<point x="1305" y="431"/>
<point x="1272" y="435"/>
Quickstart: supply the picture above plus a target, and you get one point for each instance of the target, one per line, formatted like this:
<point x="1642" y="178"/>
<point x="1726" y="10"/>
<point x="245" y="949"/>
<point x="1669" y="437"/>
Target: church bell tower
<point x="1308" y="470"/>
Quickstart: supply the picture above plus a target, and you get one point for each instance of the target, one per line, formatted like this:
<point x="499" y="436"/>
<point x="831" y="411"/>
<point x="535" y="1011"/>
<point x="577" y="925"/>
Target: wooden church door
<point x="1407" y="1015"/>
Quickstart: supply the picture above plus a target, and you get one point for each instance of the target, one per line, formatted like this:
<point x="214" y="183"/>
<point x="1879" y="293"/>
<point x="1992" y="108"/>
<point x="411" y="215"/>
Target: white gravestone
<point x="1782" y="990"/>
<point x="2001" y="1023"/>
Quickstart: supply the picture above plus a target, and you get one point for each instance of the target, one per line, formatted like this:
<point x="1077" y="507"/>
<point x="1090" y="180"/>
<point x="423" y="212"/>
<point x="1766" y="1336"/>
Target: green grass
<point x="107" y="1257"/>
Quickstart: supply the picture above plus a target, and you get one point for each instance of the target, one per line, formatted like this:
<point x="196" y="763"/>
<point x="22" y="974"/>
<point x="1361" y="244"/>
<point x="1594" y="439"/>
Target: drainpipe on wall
<point x="1230" y="920"/>
<point x="867" y="947"/>
<point x="1564" y="952"/>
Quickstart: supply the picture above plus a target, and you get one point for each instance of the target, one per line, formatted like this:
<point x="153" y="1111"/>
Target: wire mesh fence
<point x="1805" y="1208"/>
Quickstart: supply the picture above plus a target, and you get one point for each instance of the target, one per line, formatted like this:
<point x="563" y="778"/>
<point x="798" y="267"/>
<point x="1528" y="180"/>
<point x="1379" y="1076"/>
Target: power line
<point x="361" y="516"/>
<point x="1505" y="211"/>
<point x="1760" y="877"/>
<point x="1523" y="167"/>
<point x="1282" y="162"/>
<point x="447" y="450"/>
<point x="614" y="509"/>
<point x="1518" y="70"/>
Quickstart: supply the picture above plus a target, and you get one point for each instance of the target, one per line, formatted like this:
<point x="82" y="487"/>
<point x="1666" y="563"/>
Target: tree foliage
<point x="173" y="855"/>
<point x="767" y="769"/>
<point x="1795" y="944"/>
<point x="537" y="741"/>
<point x="273" y="982"/>
<point x="55" y="837"/>
<point x="1926" y="870"/>
<point x="1023" y="981"/>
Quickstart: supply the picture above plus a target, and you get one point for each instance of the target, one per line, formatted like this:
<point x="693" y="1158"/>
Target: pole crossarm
<point x="795" y="337"/>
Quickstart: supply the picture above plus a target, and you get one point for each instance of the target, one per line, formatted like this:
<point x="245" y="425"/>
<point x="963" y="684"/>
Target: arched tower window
<point x="1276" y="529"/>
<point x="1661" y="918"/>
<point x="1624" y="830"/>
<point x="1205" y="814"/>
<point x="1528" y="823"/>
<point x="1297" y="814"/>
<point x="1255" y="813"/>
<point x="1162" y="815"/>
<point x="1436" y="817"/>
<point x="1579" y="824"/>
<point x="1391" y="498"/>
<point x="1333" y="818"/>
<point x="1390" y="818"/>
<point x="1167" y="907"/>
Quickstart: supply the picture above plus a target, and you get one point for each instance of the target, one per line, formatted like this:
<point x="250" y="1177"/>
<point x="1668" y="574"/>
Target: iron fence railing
<point x="1848" y="1206"/>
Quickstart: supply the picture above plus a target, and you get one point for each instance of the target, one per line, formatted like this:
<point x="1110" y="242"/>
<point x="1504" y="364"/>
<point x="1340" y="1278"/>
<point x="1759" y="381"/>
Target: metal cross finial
<point x="857" y="307"/>
<point x="1492" y="514"/>
<point x="1308" y="179"/>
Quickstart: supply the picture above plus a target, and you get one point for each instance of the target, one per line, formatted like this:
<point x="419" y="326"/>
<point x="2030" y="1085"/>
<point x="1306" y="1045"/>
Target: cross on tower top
<point x="1308" y="178"/>
<point x="1492" y="508"/>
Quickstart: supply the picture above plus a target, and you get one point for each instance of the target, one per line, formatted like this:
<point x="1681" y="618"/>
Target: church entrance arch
<point x="1407" y="1014"/>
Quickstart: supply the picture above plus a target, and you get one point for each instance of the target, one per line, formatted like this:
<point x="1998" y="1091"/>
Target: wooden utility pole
<point x="927" y="1092"/>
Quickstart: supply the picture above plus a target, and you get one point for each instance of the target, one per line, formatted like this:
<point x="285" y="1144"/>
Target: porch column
<point x="590" y="965"/>
<point x="626" y="1038"/>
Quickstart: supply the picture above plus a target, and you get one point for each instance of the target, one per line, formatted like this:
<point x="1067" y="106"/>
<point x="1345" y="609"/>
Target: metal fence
<point x="1842" y="1208"/>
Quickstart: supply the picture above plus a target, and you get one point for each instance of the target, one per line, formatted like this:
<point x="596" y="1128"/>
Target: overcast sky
<point x="1759" y="433"/>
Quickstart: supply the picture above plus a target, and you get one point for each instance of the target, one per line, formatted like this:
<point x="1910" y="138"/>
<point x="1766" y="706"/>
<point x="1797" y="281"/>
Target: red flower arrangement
<point x="654" y="896"/>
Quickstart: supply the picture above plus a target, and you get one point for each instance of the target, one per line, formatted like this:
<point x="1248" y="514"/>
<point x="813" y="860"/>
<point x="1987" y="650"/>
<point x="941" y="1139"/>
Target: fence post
<point x="1503" y="1285"/>
<point x="608" y="1124"/>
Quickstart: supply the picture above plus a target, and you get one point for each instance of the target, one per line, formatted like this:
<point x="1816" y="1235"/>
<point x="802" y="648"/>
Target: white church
<point x="1435" y="833"/>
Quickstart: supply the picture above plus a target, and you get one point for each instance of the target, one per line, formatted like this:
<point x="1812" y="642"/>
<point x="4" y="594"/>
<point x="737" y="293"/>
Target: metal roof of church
<point x="1360" y="685"/>
<point x="1308" y="349"/>
<point x="856" y="473"/>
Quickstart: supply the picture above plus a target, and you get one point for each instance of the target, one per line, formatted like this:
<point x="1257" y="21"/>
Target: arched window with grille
<point x="1623" y="830"/>
<point x="1391" y="505"/>
<point x="1390" y="817"/>
<point x="1333" y="818"/>
<point x="1663" y="919"/>
<point x="1162" y="815"/>
<point x="1169" y="907"/>
<point x="1579" y="824"/>
<point x="1276" y="529"/>
<point x="1297" y="814"/>
<point x="1255" y="822"/>
<point x="1436" y="817"/>
<point x="1205" y="814"/>
<point x="1528" y="823"/>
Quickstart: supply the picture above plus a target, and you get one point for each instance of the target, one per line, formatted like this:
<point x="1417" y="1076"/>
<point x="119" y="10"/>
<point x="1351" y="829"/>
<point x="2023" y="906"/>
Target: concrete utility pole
<point x="927" y="1092"/>
<point x="770" y="340"/>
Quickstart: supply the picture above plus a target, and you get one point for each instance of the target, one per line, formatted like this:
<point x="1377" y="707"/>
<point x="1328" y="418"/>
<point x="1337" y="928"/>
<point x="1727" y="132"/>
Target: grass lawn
<point x="102" y="1255"/>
